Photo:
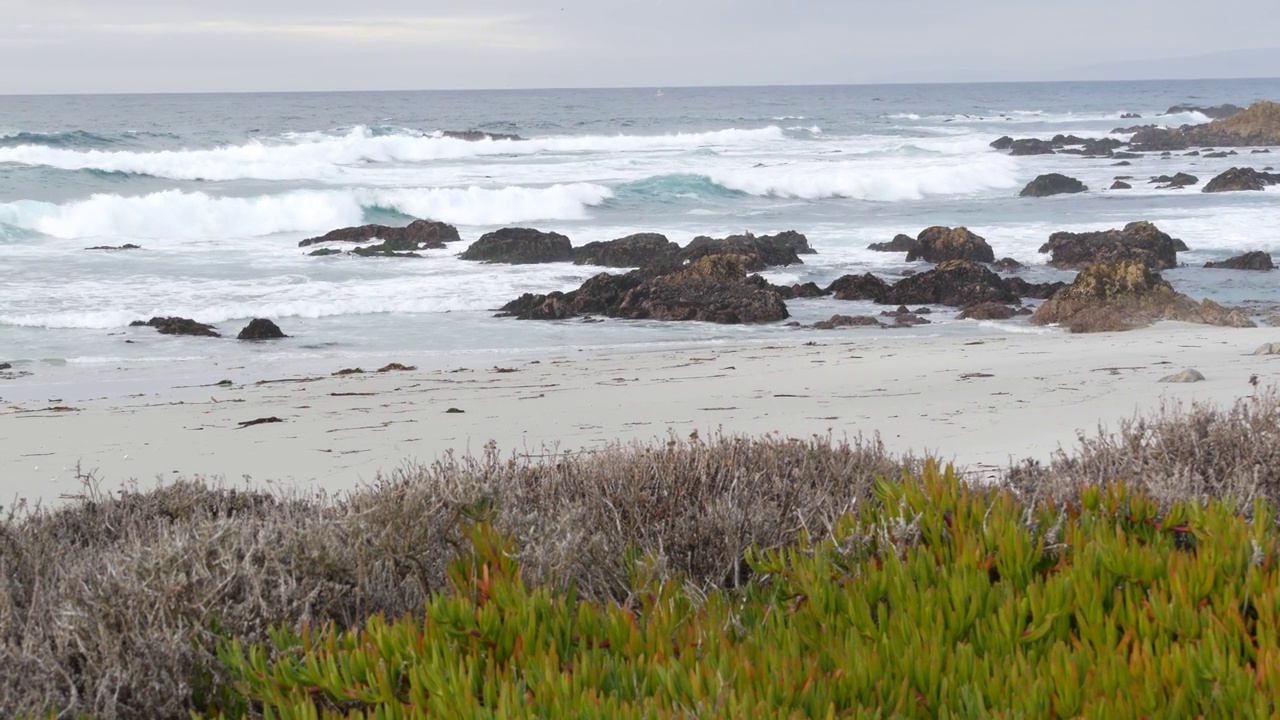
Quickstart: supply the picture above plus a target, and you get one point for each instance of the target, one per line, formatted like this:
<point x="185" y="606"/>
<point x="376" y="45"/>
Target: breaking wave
<point x="861" y="181"/>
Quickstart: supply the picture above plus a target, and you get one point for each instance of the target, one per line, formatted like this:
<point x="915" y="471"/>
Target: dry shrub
<point x="1196" y="452"/>
<point x="115" y="605"/>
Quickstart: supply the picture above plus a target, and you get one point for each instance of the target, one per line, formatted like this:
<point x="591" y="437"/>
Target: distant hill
<point x="1259" y="62"/>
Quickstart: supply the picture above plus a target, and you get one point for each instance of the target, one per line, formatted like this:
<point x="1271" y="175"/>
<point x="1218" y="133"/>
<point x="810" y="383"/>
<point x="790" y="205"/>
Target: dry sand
<point x="978" y="402"/>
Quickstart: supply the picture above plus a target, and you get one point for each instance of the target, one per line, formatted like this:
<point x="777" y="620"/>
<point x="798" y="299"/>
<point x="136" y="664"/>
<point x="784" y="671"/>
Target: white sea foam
<point x="862" y="181"/>
<point x="320" y="156"/>
<point x="188" y="215"/>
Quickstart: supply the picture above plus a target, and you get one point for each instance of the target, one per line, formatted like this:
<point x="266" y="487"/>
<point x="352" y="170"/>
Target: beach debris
<point x="1052" y="184"/>
<point x="1189" y="375"/>
<point x="261" y="329"/>
<point x="1256" y="260"/>
<point x="1268" y="349"/>
<point x="938" y="244"/>
<point x="260" y="421"/>
<point x="454" y="411"/>
<point x="504" y="369"/>
<point x="349" y="371"/>
<point x="177" y="326"/>
<point x="395" y="366"/>
<point x="972" y="375"/>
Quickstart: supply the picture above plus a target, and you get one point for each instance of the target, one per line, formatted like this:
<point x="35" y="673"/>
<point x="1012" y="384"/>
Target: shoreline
<point x="981" y="402"/>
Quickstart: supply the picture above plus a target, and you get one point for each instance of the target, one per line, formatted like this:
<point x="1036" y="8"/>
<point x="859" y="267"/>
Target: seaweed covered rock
<point x="1030" y="146"/>
<point x="939" y="244"/>
<point x="1140" y="241"/>
<point x="520" y="246"/>
<point x="1256" y="260"/>
<point x="954" y="282"/>
<point x="987" y="311"/>
<point x="1175" y="181"/>
<point x="1038" y="291"/>
<point x="261" y="329"/>
<point x="899" y="243"/>
<point x="630" y="251"/>
<point x="417" y="235"/>
<point x="1052" y="184"/>
<point x="858" y="287"/>
<point x="1125" y="295"/>
<point x="761" y="252"/>
<point x="1237" y="179"/>
<point x="177" y="326"/>
<point x="713" y="289"/>
<point x="843" y="321"/>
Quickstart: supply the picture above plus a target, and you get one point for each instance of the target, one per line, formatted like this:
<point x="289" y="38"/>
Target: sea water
<point x="219" y="189"/>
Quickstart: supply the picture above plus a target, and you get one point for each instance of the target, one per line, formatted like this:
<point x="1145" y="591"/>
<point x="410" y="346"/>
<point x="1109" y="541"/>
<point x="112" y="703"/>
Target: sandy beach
<point x="979" y="402"/>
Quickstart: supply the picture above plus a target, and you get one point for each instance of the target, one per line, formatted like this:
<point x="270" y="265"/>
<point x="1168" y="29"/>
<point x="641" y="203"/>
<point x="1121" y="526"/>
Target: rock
<point x="839" y="321"/>
<point x="899" y="243"/>
<point x="177" y="326"/>
<point x="1178" y="180"/>
<point x="1268" y="349"/>
<point x="1256" y="260"/>
<point x="902" y="317"/>
<point x="858" y="287"/>
<point x="954" y="282"/>
<point x="1130" y="116"/>
<point x="1030" y="146"/>
<point x="323" y="252"/>
<point x="630" y="251"/>
<point x="1258" y="125"/>
<point x="987" y="311"/>
<point x="1126" y="156"/>
<point x="520" y="246"/>
<point x="1038" y="291"/>
<point x="806" y="290"/>
<point x="761" y="252"/>
<point x="1237" y="179"/>
<point x="1139" y="241"/>
<point x="1006" y="264"/>
<point x="1214" y="112"/>
<point x="712" y="289"/>
<point x="938" y="244"/>
<point x="1124" y="295"/>
<point x="1214" y="155"/>
<point x="1186" y="376"/>
<point x="126" y="246"/>
<point x="417" y="235"/>
<point x="1179" y="246"/>
<point x="1157" y="139"/>
<point x="5" y="366"/>
<point x="1121" y="185"/>
<point x="1052" y="184"/>
<point x="477" y="136"/>
<point x="260" y="329"/>
<point x="1002" y="143"/>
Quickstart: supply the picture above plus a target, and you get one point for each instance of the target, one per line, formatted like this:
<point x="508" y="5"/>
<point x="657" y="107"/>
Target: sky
<point x="74" y="46"/>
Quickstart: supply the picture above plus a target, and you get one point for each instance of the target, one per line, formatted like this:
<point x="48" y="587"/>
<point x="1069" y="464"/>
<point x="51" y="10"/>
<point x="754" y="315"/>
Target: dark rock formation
<point x="1030" y="146"/>
<point x="1038" y="291"/>
<point x="177" y="326"/>
<point x="1125" y="295"/>
<point x="987" y="311"/>
<point x="899" y="243"/>
<point x="1216" y="112"/>
<point x="520" y="246"/>
<point x="1130" y="116"/>
<point x="630" y="251"/>
<point x="126" y="246"/>
<point x="954" y="282"/>
<point x="1256" y="260"/>
<point x="858" y="287"/>
<point x="1121" y="185"/>
<point x="417" y="235"/>
<point x="261" y="329"/>
<point x="477" y="135"/>
<point x="1052" y="184"/>
<point x="1178" y="180"/>
<point x="761" y="251"/>
<point x="840" y="321"/>
<point x="1002" y="143"/>
<point x="805" y="290"/>
<point x="1140" y="241"/>
<point x="904" y="318"/>
<point x="938" y="244"/>
<point x="324" y="252"/>
<point x="1237" y="179"/>
<point x="1006" y="264"/>
<point x="1258" y="125"/>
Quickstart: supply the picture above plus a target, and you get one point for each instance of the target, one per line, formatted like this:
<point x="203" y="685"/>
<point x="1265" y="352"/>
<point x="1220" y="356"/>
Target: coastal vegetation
<point x="1132" y="575"/>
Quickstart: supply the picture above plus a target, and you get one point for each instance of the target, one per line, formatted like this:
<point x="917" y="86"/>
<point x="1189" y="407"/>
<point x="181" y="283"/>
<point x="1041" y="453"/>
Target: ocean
<point x="219" y="189"/>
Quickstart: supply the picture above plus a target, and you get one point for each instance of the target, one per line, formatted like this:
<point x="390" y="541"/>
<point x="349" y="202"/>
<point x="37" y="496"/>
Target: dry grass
<point x="114" y="606"/>
<point x="1196" y="451"/>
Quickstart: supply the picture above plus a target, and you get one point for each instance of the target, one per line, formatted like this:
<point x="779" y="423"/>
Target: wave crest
<point x="860" y="181"/>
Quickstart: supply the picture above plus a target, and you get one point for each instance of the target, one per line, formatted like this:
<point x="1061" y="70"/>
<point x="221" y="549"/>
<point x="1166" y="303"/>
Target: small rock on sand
<point x="1268" y="349"/>
<point x="1186" y="376"/>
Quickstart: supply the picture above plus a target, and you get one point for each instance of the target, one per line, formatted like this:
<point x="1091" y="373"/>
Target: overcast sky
<point x="247" y="45"/>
